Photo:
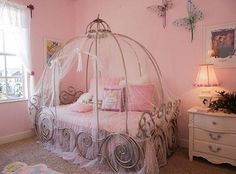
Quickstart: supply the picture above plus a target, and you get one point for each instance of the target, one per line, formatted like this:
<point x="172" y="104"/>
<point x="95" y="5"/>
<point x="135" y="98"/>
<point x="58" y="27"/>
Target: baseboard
<point x="16" y="137"/>
<point x="183" y="142"/>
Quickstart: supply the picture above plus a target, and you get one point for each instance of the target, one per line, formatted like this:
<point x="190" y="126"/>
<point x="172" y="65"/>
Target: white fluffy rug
<point x="23" y="168"/>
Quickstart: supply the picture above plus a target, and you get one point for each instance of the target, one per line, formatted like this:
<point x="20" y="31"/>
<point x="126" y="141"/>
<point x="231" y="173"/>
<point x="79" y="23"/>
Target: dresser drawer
<point x="215" y="149"/>
<point x="215" y="123"/>
<point x="215" y="137"/>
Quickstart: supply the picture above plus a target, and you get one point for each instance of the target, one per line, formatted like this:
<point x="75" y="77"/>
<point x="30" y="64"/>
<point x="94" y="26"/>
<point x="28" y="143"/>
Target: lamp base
<point x="206" y="100"/>
<point x="205" y="97"/>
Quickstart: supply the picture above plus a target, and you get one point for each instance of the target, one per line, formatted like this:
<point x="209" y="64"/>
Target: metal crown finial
<point x="98" y="25"/>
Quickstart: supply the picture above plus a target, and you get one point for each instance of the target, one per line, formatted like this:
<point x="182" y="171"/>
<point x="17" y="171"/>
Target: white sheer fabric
<point x="15" y="18"/>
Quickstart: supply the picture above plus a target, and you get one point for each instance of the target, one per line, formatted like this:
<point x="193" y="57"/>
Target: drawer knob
<point x="214" y="150"/>
<point x="214" y="137"/>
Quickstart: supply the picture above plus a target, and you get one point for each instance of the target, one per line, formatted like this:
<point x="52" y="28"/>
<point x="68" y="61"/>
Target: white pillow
<point x="85" y="98"/>
<point x="143" y="80"/>
<point x="139" y="80"/>
<point x="122" y="83"/>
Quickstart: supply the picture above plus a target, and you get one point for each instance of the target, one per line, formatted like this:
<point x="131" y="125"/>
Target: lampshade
<point x="206" y="76"/>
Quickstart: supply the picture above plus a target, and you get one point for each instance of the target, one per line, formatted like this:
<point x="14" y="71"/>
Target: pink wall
<point x="51" y="19"/>
<point x="177" y="56"/>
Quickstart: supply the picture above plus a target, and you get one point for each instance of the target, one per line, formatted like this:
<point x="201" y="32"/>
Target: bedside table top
<point x="201" y="110"/>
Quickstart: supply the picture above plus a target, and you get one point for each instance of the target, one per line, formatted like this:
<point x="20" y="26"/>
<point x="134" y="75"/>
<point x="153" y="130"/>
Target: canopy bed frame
<point x="147" y="137"/>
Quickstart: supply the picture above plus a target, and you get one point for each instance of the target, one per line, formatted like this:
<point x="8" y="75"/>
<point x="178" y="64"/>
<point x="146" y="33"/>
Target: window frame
<point x="6" y="77"/>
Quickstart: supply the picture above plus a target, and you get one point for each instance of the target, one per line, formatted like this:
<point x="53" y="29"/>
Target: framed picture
<point x="220" y="48"/>
<point x="51" y="46"/>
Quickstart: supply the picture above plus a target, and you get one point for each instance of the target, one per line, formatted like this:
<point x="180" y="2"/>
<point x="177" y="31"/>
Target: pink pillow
<point x="113" y="99"/>
<point x="140" y="97"/>
<point x="80" y="107"/>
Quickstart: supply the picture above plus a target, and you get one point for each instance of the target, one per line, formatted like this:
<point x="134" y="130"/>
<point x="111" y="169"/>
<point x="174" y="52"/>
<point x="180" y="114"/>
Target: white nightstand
<point x="212" y="136"/>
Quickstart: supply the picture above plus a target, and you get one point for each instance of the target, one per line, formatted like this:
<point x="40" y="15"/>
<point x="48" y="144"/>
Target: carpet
<point x="32" y="153"/>
<point x="23" y="168"/>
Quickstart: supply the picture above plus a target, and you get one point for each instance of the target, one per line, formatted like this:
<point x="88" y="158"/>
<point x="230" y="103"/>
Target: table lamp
<point x="206" y="78"/>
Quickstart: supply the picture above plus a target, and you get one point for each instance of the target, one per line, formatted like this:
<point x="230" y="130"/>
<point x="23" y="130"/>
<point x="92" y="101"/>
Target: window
<point x="12" y="75"/>
<point x="14" y="51"/>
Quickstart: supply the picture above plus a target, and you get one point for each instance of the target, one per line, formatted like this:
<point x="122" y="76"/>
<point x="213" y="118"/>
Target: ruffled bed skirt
<point x="113" y="153"/>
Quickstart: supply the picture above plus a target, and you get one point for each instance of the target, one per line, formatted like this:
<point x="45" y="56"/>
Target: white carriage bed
<point x="137" y="142"/>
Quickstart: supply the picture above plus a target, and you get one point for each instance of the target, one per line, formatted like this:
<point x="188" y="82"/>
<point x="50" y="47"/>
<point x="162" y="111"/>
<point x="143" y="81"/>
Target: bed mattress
<point x="108" y="120"/>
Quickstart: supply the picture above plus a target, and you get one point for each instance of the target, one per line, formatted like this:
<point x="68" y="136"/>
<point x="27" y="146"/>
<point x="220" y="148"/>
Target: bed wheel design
<point x="67" y="141"/>
<point x="45" y="124"/>
<point x="122" y="152"/>
<point x="159" y="141"/>
<point x="85" y="145"/>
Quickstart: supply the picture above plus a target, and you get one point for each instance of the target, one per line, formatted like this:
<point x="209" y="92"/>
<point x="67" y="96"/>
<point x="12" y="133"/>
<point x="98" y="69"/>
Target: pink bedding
<point x="109" y="120"/>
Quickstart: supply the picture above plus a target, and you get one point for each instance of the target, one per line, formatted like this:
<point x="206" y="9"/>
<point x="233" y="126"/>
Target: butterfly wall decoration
<point x="161" y="10"/>
<point x="194" y="15"/>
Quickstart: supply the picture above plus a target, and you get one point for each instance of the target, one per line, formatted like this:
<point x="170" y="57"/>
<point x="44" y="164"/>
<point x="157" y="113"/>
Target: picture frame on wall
<point x="220" y="48"/>
<point x="51" y="46"/>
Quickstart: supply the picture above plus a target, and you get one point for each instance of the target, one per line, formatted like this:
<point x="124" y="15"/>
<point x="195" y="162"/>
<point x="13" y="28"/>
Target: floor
<point x="31" y="152"/>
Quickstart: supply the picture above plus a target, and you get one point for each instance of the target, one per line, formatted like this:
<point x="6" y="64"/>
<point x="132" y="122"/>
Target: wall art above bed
<point x="161" y="10"/>
<point x="51" y="46"/>
<point x="220" y="48"/>
<point x="189" y="22"/>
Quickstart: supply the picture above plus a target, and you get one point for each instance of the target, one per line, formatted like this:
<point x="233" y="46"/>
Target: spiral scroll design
<point x="122" y="152"/>
<point x="44" y="124"/>
<point x="168" y="111"/>
<point x="159" y="141"/>
<point x="34" y="104"/>
<point x="86" y="147"/>
<point x="67" y="141"/>
<point x="152" y="120"/>
<point x="172" y="128"/>
<point x="171" y="137"/>
<point x="176" y="109"/>
<point x="146" y="124"/>
<point x="70" y="95"/>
